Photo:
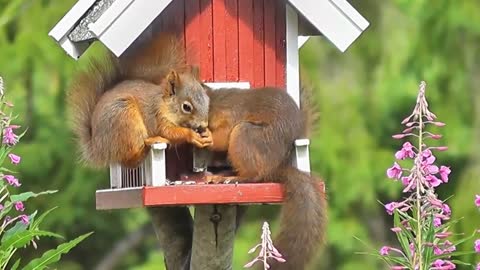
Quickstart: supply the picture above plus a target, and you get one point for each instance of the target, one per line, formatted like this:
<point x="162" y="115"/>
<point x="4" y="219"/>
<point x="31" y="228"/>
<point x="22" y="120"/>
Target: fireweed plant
<point x="267" y="250"/>
<point x="422" y="221"/>
<point x="18" y="228"/>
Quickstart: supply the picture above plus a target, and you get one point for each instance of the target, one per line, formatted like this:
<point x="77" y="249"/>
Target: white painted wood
<point x="218" y="85"/>
<point x="69" y="20"/>
<point x="337" y="21"/>
<point x="302" y="155"/>
<point x="115" y="175"/>
<point x="293" y="76"/>
<point x="109" y="17"/>
<point x="124" y="21"/>
<point x="302" y="40"/>
<point x="155" y="166"/>
<point x="61" y="30"/>
<point x="352" y="13"/>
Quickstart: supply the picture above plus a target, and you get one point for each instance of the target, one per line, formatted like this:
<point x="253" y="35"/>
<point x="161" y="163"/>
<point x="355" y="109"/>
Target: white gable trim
<point x="61" y="30"/>
<point x="292" y="64"/>
<point x="124" y="21"/>
<point x="337" y="20"/>
<point x="218" y="85"/>
<point x="302" y="40"/>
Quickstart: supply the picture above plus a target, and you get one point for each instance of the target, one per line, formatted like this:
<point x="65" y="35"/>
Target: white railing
<point x="152" y="172"/>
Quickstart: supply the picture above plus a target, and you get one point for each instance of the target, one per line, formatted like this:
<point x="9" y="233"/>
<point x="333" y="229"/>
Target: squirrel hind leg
<point x="125" y="137"/>
<point x="252" y="151"/>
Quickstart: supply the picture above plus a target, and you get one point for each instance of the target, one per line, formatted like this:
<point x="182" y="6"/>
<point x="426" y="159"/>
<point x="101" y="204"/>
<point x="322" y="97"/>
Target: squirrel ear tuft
<point x="195" y="70"/>
<point x="172" y="82"/>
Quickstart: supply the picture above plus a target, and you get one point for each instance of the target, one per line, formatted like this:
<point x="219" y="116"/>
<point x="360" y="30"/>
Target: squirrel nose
<point x="202" y="127"/>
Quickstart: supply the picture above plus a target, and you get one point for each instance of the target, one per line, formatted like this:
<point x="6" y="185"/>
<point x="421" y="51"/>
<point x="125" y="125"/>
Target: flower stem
<point x="419" y="245"/>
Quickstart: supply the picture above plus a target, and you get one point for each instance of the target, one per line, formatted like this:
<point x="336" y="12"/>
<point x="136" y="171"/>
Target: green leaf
<point x="429" y="238"/>
<point x="21" y="239"/>
<point x="462" y="263"/>
<point x="17" y="228"/>
<point x="401" y="236"/>
<point x="54" y="255"/>
<point x="3" y="169"/>
<point x="39" y="220"/>
<point x="27" y="195"/>
<point x="15" y="265"/>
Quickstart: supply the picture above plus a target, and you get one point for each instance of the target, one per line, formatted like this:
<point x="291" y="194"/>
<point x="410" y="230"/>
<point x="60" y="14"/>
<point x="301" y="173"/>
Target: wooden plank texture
<point x="231" y="40"/>
<point x="270" y="44"/>
<point x="206" y="44"/>
<point x="245" y="40"/>
<point x="219" y="49"/>
<point x="119" y="198"/>
<point x="258" y="45"/>
<point x="215" y="194"/>
<point x="193" y="32"/>
<point x="280" y="36"/>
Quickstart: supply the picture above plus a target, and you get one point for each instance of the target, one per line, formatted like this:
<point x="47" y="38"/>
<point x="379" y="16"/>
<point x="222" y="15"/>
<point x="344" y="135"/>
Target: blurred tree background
<point x="363" y="95"/>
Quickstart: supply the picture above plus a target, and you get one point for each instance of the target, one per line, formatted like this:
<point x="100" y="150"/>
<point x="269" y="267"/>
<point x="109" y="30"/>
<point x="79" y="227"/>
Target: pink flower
<point x="24" y="219"/>
<point x="11" y="180"/>
<point x="19" y="206"/>
<point x="443" y="235"/>
<point x="443" y="265"/>
<point x="396" y="229"/>
<point x="412" y="248"/>
<point x="430" y="169"/>
<point x="432" y="181"/>
<point x="449" y="247"/>
<point x="437" y="251"/>
<point x="14" y="158"/>
<point x="406" y="180"/>
<point x="437" y="222"/>
<point x="444" y="172"/>
<point x="390" y="207"/>
<point x="406" y="151"/>
<point x="478" y="267"/>
<point x="9" y="137"/>
<point x="446" y="209"/>
<point x="395" y="171"/>
<point x="477" y="246"/>
<point x="477" y="200"/>
<point x="384" y="250"/>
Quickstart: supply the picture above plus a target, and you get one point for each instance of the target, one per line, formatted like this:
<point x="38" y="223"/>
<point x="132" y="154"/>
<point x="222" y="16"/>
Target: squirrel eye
<point x="186" y="107"/>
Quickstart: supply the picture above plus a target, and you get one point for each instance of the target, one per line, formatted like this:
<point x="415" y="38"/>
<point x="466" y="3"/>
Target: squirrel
<point x="120" y="107"/>
<point x="257" y="129"/>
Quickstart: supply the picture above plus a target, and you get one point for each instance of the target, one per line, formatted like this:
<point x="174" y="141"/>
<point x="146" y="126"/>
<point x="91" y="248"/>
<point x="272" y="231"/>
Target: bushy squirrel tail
<point x="303" y="219"/>
<point x="309" y="108"/>
<point x="150" y="62"/>
<point x="153" y="60"/>
<point x="85" y="91"/>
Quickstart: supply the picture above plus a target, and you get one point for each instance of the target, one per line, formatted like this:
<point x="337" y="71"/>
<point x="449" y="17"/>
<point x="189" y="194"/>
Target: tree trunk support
<point x="213" y="236"/>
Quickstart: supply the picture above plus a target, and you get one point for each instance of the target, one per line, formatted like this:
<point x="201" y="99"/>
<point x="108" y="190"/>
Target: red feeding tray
<point x="195" y="194"/>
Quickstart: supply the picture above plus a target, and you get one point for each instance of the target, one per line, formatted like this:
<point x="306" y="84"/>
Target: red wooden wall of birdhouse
<point x="231" y="40"/>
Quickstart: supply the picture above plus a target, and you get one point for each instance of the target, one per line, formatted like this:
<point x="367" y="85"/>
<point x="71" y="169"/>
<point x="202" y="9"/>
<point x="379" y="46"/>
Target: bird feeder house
<point x="236" y="43"/>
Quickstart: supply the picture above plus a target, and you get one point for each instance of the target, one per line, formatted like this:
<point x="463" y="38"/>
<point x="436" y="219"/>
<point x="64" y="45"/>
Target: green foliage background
<point x="363" y="94"/>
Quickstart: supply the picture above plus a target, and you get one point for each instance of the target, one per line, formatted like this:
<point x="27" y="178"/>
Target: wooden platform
<point x="195" y="194"/>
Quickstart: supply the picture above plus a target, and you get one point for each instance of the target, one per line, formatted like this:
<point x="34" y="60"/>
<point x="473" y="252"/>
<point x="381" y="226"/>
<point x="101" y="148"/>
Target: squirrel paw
<point x="216" y="179"/>
<point x="201" y="140"/>
<point x="157" y="139"/>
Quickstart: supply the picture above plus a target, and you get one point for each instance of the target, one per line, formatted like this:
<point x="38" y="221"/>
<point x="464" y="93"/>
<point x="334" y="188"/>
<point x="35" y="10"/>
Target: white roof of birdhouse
<point x="118" y="23"/>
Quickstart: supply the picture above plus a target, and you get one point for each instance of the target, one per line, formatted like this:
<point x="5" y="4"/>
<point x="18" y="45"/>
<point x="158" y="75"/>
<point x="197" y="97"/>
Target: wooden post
<point x="213" y="237"/>
<point x="173" y="227"/>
